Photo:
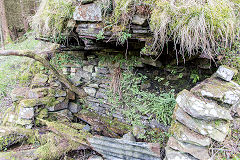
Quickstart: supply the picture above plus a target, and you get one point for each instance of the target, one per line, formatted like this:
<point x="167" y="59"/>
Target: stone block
<point x="88" y="13"/>
<point x="19" y="93"/>
<point x="93" y="85"/>
<point x="39" y="80"/>
<point x="74" y="108"/>
<point x="90" y="91"/>
<point x="26" y="113"/>
<point x="172" y="154"/>
<point x="217" y="130"/>
<point x="88" y="68"/>
<point x="225" y="73"/>
<point x="198" y="152"/>
<point x="37" y="93"/>
<point x="201" y="109"/>
<point x="139" y="20"/>
<point x="102" y="70"/>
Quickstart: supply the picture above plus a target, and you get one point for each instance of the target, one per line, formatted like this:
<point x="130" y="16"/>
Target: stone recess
<point x="203" y="114"/>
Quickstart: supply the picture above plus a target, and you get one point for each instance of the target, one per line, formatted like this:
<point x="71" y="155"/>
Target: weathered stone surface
<point x="58" y="106"/>
<point x="120" y="149"/>
<point x="37" y="93"/>
<point x="29" y="103"/>
<point x="221" y="91"/>
<point x="76" y="80"/>
<point x="85" y="75"/>
<point x="71" y="95"/>
<point x="217" y="130"/>
<point x="74" y="108"/>
<point x="139" y="20"/>
<point x="24" y="122"/>
<point x="196" y="151"/>
<point x="60" y="93"/>
<point x="102" y="70"/>
<point x="172" y="154"/>
<point x="102" y="94"/>
<point x="26" y="113"/>
<point x="88" y="68"/>
<point x="93" y="85"/>
<point x="200" y="109"/>
<point x="39" y="80"/>
<point x="88" y="13"/>
<point x="225" y="73"/>
<point x="129" y="137"/>
<point x="90" y="91"/>
<point x="9" y="138"/>
<point x="94" y="157"/>
<point x="19" y="93"/>
<point x="151" y="62"/>
<point x="184" y="134"/>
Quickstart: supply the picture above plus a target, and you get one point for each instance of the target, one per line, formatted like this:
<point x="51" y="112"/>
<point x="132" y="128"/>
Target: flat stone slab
<point x="217" y="130"/>
<point x="225" y="73"/>
<point x="185" y="135"/>
<point x="221" y="91"/>
<point x="198" y="152"/>
<point x="200" y="109"/>
<point x="88" y="13"/>
<point x="172" y="154"/>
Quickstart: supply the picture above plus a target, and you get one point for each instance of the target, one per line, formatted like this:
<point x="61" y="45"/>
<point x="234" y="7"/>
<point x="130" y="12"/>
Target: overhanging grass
<point x="193" y="25"/>
<point x="52" y="17"/>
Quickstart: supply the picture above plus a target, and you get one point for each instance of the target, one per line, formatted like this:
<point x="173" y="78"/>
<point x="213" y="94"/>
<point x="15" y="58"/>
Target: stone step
<point x="185" y="135"/>
<point x="201" y="109"/>
<point x="198" y="152"/>
<point x="218" y="90"/>
<point x="217" y="129"/>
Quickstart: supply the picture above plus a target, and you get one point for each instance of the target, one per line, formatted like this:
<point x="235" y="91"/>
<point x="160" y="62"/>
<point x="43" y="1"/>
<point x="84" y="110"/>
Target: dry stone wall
<point x="202" y="115"/>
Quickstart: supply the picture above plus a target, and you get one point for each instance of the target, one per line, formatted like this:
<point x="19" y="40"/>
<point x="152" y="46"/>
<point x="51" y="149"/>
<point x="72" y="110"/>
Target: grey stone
<point x="185" y="135"/>
<point x="172" y="154"/>
<point x="24" y="122"/>
<point x="218" y="90"/>
<point x="74" y="108"/>
<point x="39" y="80"/>
<point x="151" y="62"/>
<point x="139" y="20"/>
<point x="217" y="130"/>
<point x="201" y="109"/>
<point x="90" y="91"/>
<point x="198" y="152"/>
<point x="104" y="86"/>
<point x="87" y="128"/>
<point x="60" y="106"/>
<point x="76" y="80"/>
<point x="95" y="157"/>
<point x="225" y="73"/>
<point x="60" y="93"/>
<point x="19" y="93"/>
<point x="26" y="113"/>
<point x="88" y="13"/>
<point x="88" y="68"/>
<point x="37" y="93"/>
<point x="93" y="85"/>
<point x="101" y="94"/>
<point x="102" y="70"/>
<point x="129" y="137"/>
<point x="85" y="75"/>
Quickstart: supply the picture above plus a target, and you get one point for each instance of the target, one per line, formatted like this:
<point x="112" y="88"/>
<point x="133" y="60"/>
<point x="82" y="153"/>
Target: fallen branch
<point x="37" y="57"/>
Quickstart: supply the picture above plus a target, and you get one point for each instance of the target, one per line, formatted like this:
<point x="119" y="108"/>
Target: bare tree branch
<point x="37" y="57"/>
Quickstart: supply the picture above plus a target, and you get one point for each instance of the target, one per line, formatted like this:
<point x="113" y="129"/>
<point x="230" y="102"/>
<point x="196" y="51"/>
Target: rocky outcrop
<point x="203" y="114"/>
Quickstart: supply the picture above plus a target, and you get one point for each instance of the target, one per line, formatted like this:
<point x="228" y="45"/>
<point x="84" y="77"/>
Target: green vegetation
<point x="192" y="25"/>
<point x="51" y="19"/>
<point x="134" y="103"/>
<point x="61" y="59"/>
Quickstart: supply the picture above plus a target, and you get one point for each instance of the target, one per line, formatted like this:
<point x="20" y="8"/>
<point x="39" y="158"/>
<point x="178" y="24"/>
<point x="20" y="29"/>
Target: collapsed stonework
<point x="202" y="115"/>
